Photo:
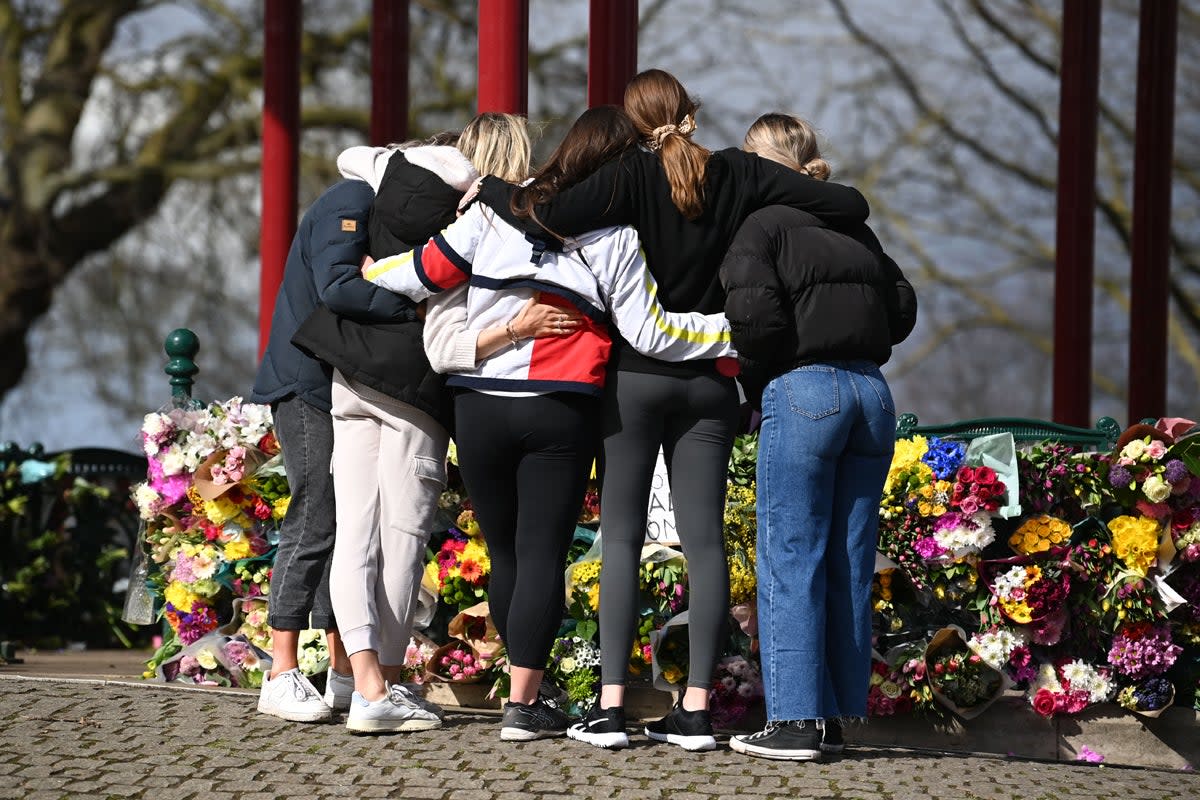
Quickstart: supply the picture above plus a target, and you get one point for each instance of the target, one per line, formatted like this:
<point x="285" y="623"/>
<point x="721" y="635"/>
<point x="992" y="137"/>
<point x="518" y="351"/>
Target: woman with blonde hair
<point x="686" y="204"/>
<point x="814" y="314"/>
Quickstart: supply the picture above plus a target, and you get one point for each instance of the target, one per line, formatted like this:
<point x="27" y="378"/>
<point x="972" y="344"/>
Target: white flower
<point x="1011" y="585"/>
<point x="973" y="535"/>
<point x="1134" y="450"/>
<point x="567" y="665"/>
<point x="1083" y="677"/>
<point x="173" y="461"/>
<point x="1156" y="489"/>
<point x="1046" y="679"/>
<point x="206" y="658"/>
<point x="994" y="647"/>
<point x="147" y="501"/>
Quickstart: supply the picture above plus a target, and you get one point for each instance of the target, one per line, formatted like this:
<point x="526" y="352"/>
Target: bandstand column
<point x="1152" y="162"/>
<point x="280" y="151"/>
<point x="612" y="50"/>
<point x="503" y="56"/>
<point x="389" y="71"/>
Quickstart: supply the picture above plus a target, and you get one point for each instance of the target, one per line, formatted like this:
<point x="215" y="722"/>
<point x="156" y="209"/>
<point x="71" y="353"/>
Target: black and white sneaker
<point x="602" y="727"/>
<point x="797" y="740"/>
<point x="537" y="720"/>
<point x="832" y="740"/>
<point x="691" y="730"/>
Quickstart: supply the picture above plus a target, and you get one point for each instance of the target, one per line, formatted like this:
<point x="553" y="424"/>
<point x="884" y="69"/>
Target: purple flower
<point x="1176" y="471"/>
<point x="1119" y="477"/>
<point x="1141" y="650"/>
<point x="195" y="625"/>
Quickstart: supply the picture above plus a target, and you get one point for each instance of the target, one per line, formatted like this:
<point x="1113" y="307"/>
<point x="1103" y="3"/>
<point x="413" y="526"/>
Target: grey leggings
<point x="694" y="419"/>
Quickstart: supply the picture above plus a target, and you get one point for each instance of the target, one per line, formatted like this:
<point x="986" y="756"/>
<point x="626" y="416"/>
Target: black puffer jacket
<point x="413" y="203"/>
<point x="798" y="293"/>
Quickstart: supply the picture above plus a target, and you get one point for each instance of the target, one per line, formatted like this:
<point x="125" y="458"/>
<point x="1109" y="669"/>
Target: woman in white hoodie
<point x="391" y="415"/>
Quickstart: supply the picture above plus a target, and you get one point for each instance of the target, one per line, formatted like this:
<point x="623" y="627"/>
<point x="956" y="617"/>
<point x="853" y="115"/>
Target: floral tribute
<point x="211" y="505"/>
<point x="1091" y="595"/>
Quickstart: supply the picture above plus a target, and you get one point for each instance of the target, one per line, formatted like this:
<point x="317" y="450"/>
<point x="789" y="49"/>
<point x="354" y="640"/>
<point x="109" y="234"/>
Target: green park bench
<point x="1102" y="437"/>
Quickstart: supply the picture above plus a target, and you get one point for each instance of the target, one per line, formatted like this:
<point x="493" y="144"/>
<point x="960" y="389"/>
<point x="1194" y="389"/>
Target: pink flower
<point x="1156" y="450"/>
<point x="1088" y="754"/>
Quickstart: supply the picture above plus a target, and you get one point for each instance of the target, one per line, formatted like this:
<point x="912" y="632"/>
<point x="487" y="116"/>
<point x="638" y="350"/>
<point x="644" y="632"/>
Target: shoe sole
<point x="738" y="746"/>
<point x="609" y="741"/>
<point x="523" y="735"/>
<point x="690" y="743"/>
<point x="296" y="716"/>
<point x="391" y="725"/>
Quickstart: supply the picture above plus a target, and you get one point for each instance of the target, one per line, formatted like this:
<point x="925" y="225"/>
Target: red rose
<point x="966" y="474"/>
<point x="985" y="475"/>
<point x="1043" y="703"/>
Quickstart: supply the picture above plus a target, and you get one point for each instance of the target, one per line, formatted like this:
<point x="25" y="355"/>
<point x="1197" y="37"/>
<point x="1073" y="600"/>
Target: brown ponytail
<point x="666" y="117"/>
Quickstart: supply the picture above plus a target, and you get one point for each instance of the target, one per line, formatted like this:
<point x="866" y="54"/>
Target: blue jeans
<point x="826" y="442"/>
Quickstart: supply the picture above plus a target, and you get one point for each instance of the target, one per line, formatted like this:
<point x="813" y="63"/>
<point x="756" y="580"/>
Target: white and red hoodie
<point x="603" y="274"/>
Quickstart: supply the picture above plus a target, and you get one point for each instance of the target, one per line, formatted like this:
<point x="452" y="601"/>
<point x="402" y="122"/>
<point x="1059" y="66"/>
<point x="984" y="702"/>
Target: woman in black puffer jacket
<point x="814" y="314"/>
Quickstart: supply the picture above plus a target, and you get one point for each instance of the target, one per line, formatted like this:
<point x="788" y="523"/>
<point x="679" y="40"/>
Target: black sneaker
<point x="538" y="720"/>
<point x="831" y="737"/>
<point x="691" y="730"/>
<point x="798" y="740"/>
<point x="602" y="727"/>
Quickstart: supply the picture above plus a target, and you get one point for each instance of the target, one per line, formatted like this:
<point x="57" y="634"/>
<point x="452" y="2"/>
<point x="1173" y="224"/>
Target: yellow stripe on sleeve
<point x="387" y="265"/>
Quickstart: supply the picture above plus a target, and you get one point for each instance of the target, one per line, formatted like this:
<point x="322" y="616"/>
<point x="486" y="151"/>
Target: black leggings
<point x="694" y="419"/>
<point x="525" y="462"/>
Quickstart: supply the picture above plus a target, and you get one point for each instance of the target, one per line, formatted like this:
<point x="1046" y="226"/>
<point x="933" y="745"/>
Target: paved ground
<point x="61" y="738"/>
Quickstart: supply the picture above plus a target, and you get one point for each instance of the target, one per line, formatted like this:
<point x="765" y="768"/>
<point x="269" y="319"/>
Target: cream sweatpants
<point x="389" y="468"/>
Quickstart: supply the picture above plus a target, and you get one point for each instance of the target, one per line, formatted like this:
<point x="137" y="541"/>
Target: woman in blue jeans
<point x="814" y="313"/>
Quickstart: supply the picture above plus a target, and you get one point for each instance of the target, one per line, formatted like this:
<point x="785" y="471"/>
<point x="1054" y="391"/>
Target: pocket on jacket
<point x="813" y="391"/>
<point x="431" y="469"/>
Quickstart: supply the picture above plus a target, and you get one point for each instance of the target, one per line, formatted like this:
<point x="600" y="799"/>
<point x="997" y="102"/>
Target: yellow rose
<point x="207" y="659"/>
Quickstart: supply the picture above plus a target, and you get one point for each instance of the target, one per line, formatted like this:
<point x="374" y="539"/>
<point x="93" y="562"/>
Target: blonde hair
<point x="497" y="144"/>
<point x="789" y="140"/>
<point x="665" y="117"/>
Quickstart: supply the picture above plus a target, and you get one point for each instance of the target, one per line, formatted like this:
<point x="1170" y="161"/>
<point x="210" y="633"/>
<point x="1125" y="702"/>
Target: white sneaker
<point x="415" y="694"/>
<point x="395" y="711"/>
<point x="338" y="689"/>
<point x="290" y="696"/>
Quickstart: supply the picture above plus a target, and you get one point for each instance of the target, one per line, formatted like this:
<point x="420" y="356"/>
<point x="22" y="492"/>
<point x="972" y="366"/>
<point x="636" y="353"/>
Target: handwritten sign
<point x="660" y="515"/>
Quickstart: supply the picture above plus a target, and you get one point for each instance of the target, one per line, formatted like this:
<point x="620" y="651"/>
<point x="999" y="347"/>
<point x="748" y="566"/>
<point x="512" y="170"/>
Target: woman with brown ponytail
<point x="686" y="203"/>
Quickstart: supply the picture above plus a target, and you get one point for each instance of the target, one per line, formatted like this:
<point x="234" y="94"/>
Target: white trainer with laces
<point x="397" y="711"/>
<point x="338" y="689"/>
<point x="290" y="696"/>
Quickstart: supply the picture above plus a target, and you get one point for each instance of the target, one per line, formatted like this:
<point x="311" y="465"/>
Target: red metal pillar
<point x="389" y="71"/>
<point x="1150" y="269"/>
<point x="612" y="50"/>
<point x="503" y="56"/>
<point x="280" y="151"/>
<point x="1076" y="226"/>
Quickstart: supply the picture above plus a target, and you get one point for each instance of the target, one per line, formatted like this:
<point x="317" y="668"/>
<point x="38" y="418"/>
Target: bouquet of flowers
<point x="741" y="532"/>
<point x="459" y="570"/>
<point x="574" y="665"/>
<point x="669" y="653"/>
<point x="1143" y="650"/>
<point x="889" y="691"/>
<point x="216" y="660"/>
<point x="737" y="684"/>
<point x="416" y="660"/>
<point x="1149" y="697"/>
<point x="1040" y="533"/>
<point x="211" y="503"/>
<point x="1031" y="593"/>
<point x="313" y="652"/>
<point x="1056" y="480"/>
<point x="456" y="662"/>
<point x="1006" y="650"/>
<point x="960" y="679"/>
<point x="1150" y="471"/>
<point x="1068" y="686"/>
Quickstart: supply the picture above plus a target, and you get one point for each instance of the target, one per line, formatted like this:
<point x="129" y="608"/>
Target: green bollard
<point x="181" y="346"/>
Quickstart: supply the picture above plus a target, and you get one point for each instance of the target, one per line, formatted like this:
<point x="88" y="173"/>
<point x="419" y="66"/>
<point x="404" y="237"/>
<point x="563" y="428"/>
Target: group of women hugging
<point x="594" y="310"/>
